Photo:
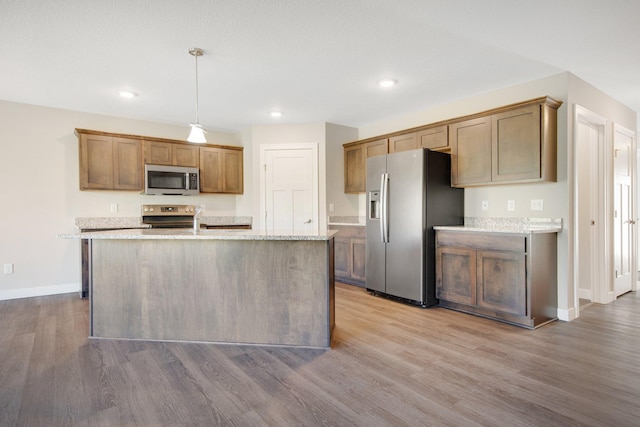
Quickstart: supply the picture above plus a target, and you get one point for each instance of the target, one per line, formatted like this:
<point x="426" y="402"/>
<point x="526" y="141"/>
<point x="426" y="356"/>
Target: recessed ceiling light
<point x="127" y="94"/>
<point x="276" y="114"/>
<point x="387" y="82"/>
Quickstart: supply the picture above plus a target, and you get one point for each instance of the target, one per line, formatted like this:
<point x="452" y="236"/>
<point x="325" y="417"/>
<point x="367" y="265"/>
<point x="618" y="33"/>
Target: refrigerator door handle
<point x="384" y="201"/>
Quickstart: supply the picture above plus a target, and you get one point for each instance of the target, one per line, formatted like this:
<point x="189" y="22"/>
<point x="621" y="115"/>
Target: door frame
<point x="601" y="251"/>
<point x="263" y="177"/>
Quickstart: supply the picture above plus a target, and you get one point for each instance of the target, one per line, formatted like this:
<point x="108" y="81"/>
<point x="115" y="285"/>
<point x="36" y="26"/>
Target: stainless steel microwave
<point x="171" y="180"/>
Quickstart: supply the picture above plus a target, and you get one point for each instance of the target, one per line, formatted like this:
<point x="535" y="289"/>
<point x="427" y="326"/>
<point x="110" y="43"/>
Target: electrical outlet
<point x="537" y="204"/>
<point x="511" y="205"/>
<point x="485" y="205"/>
<point x="114" y="207"/>
<point x="8" y="269"/>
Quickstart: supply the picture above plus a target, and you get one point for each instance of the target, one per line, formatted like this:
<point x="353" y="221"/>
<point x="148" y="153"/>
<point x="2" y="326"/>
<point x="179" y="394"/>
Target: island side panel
<point x="237" y="291"/>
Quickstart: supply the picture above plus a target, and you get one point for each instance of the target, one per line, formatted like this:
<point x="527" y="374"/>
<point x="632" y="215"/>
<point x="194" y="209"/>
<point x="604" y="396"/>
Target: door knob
<point x="308" y="221"/>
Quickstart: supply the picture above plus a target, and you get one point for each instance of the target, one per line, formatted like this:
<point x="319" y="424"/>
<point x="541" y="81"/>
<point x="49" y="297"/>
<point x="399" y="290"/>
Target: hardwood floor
<point x="390" y="365"/>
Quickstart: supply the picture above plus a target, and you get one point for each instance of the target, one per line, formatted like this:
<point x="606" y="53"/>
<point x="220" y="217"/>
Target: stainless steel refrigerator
<point x="407" y="194"/>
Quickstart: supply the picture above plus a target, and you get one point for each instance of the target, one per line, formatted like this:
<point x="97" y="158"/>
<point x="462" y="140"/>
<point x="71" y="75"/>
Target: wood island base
<point x="268" y="292"/>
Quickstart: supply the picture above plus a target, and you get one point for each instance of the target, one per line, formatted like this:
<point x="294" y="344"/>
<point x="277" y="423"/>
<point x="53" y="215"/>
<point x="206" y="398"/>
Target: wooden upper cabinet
<point x="109" y="163"/>
<point x="403" y="142"/>
<point x="127" y="165"/>
<point x="379" y="147"/>
<point x="435" y="138"/>
<point x="513" y="145"/>
<point x="510" y="144"/>
<point x="470" y="152"/>
<point x="167" y="153"/>
<point x="221" y="170"/>
<point x="516" y="144"/>
<point x="524" y="145"/>
<point x="355" y="163"/>
<point x="354" y="168"/>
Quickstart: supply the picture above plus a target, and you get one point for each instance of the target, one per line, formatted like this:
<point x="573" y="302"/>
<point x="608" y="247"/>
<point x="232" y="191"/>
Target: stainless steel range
<point x="168" y="216"/>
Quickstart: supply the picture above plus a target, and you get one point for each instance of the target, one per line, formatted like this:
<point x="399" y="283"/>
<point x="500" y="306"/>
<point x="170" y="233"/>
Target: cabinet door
<point x="342" y="250"/>
<point x="435" y="138"/>
<point x="232" y="172"/>
<point x="127" y="164"/>
<point x="379" y="147"/>
<point x="501" y="282"/>
<point x="471" y="152"/>
<point x="96" y="162"/>
<point x="404" y="142"/>
<point x="185" y="155"/>
<point x="517" y="144"/>
<point x="158" y="153"/>
<point x="456" y="274"/>
<point x="221" y="170"/>
<point x="354" y="169"/>
<point x="358" y="256"/>
<point x="210" y="170"/>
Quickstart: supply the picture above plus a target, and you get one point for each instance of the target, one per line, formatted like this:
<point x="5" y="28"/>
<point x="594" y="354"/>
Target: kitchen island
<point x="224" y="286"/>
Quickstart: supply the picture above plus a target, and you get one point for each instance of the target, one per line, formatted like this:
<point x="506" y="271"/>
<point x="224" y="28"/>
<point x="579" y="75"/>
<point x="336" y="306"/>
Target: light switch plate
<point x="8" y="269"/>
<point x="511" y="205"/>
<point x="114" y="207"/>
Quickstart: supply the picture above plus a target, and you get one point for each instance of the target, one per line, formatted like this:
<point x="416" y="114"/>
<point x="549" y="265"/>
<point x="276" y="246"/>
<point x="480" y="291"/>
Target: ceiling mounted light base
<point x="196" y="51"/>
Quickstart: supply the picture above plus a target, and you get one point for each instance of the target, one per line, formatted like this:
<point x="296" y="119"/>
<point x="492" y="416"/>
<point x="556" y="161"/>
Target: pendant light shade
<point x="197" y="133"/>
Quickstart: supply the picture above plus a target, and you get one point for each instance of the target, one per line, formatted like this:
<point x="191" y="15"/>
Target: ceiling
<point x="315" y="60"/>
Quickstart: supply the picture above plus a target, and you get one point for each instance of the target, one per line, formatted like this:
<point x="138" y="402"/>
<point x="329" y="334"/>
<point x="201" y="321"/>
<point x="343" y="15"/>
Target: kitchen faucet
<point x="196" y="219"/>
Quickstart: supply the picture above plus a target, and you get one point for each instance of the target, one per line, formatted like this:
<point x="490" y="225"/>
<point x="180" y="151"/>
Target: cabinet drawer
<point x="489" y="241"/>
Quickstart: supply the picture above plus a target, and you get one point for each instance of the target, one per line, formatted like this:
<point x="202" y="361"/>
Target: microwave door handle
<point x="188" y="182"/>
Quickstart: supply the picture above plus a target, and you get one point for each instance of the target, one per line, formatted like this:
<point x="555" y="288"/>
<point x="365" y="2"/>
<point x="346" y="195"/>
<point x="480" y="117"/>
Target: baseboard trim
<point x="567" y="315"/>
<point x="39" y="291"/>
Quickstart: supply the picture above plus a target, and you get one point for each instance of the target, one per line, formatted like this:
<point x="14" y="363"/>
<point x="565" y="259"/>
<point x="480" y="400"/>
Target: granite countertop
<point x="203" y="234"/>
<point x="506" y="225"/>
<point x="97" y="223"/>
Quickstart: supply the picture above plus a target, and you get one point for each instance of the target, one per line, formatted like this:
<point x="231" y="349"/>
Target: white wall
<point x="343" y="204"/>
<point x="40" y="194"/>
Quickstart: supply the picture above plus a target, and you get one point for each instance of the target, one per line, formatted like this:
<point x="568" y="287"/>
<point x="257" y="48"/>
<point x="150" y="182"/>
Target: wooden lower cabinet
<point x="507" y="277"/>
<point x="349" y="247"/>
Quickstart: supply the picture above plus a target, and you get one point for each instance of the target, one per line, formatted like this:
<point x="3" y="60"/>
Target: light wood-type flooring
<point x="390" y="365"/>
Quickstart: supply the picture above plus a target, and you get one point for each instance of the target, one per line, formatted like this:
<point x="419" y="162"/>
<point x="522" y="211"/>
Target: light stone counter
<point x="507" y="225"/>
<point x="113" y="222"/>
<point x="202" y="234"/>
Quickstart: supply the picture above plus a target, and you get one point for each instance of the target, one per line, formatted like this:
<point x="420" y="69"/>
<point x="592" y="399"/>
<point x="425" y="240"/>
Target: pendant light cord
<point x="197" y="113"/>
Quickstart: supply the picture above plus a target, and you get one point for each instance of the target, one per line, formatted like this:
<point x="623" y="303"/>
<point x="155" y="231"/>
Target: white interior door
<point x="624" y="219"/>
<point x="290" y="182"/>
<point x="591" y="265"/>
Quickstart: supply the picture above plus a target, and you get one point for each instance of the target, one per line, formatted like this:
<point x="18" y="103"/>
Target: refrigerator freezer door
<point x="406" y="219"/>
<point x="375" y="248"/>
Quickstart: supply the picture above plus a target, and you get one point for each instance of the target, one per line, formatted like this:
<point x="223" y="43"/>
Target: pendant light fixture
<point x="197" y="131"/>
